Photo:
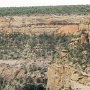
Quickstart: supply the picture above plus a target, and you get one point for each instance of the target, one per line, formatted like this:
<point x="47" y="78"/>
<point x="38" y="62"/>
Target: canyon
<point x="44" y="73"/>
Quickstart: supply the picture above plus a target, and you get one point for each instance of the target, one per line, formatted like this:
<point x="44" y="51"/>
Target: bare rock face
<point x="68" y="29"/>
<point x="67" y="77"/>
<point x="39" y="24"/>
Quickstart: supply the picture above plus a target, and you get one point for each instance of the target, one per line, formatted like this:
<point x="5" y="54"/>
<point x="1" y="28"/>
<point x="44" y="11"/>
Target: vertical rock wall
<point x="36" y="24"/>
<point x="64" y="77"/>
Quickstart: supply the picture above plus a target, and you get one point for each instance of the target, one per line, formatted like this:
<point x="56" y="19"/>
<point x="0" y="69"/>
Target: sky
<point x="19" y="3"/>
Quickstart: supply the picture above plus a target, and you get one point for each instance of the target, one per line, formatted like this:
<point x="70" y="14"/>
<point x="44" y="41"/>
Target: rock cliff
<point x="67" y="77"/>
<point x="39" y="24"/>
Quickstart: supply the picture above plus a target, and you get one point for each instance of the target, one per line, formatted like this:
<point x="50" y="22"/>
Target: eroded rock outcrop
<point x="39" y="24"/>
<point x="67" y="77"/>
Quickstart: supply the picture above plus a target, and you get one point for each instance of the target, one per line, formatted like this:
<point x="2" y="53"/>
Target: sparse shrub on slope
<point x="18" y="45"/>
<point x="11" y="45"/>
<point x="20" y="84"/>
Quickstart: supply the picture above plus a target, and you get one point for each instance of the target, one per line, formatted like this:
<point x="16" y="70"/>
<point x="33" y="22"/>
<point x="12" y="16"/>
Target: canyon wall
<point x="67" y="77"/>
<point x="39" y="24"/>
<point x="60" y="76"/>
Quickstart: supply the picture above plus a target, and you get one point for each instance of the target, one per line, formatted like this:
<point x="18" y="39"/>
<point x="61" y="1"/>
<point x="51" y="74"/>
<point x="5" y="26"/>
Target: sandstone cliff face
<point x="67" y="77"/>
<point x="68" y="29"/>
<point x="40" y="24"/>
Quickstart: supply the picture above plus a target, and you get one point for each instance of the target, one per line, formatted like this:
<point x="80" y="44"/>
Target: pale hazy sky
<point x="18" y="3"/>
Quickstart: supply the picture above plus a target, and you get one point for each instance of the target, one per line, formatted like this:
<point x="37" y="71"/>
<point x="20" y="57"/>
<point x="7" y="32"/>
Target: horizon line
<point x="44" y="5"/>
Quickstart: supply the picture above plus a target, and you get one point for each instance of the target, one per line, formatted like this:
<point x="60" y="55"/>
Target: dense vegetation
<point x="59" y="10"/>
